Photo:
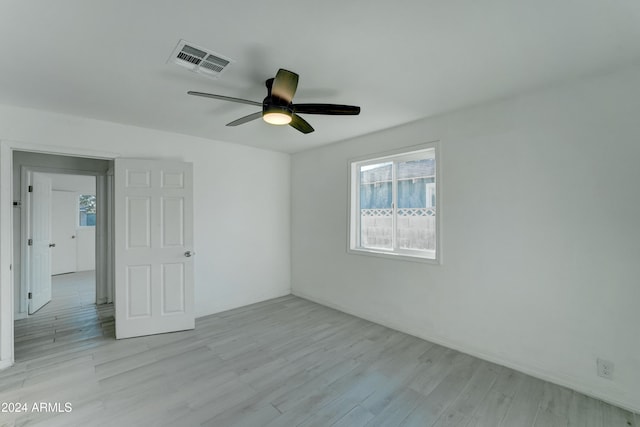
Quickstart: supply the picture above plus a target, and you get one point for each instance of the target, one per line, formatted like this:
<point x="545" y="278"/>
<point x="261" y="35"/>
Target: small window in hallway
<point x="87" y="210"/>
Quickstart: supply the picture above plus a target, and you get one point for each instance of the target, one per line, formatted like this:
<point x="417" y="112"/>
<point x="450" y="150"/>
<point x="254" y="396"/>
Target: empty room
<point x="358" y="213"/>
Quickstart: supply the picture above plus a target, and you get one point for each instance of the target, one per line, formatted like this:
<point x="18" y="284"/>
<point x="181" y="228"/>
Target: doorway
<point x="72" y="239"/>
<point x="144" y="244"/>
<point x="73" y="211"/>
<point x="76" y="231"/>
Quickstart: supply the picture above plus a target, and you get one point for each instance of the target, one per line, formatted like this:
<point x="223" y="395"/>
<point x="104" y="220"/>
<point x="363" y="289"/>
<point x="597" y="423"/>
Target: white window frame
<point x="400" y="155"/>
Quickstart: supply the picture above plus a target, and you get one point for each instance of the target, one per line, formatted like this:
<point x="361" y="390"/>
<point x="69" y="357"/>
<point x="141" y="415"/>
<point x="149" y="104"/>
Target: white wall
<point x="540" y="235"/>
<point x="241" y="199"/>
<point x="86" y="244"/>
<point x="80" y="184"/>
<point x="85" y="236"/>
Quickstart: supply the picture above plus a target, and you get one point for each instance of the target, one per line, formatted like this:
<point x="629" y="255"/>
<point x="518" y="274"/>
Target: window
<point x="87" y="209"/>
<point x="393" y="204"/>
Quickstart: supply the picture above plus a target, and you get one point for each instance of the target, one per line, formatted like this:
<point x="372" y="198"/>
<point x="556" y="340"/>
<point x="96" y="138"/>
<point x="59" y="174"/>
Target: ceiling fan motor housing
<point x="275" y="110"/>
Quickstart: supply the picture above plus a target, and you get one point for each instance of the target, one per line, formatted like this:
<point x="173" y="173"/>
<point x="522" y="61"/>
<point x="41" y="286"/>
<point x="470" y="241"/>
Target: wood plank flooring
<point x="283" y="362"/>
<point x="70" y="316"/>
<point x="71" y="290"/>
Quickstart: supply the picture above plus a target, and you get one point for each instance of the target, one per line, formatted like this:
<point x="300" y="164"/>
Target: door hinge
<point x="30" y="189"/>
<point x="30" y="242"/>
<point x="30" y="295"/>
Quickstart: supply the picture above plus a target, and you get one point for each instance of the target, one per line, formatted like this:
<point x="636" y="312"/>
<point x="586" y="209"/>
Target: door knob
<point x="189" y="254"/>
<point x="52" y="245"/>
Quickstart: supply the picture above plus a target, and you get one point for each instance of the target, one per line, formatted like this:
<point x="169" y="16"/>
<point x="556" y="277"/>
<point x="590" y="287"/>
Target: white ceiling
<point x="400" y="61"/>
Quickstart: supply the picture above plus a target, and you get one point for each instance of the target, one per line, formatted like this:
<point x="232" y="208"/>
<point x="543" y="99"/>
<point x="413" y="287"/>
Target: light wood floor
<point x="70" y="316"/>
<point x="283" y="362"/>
<point x="71" y="291"/>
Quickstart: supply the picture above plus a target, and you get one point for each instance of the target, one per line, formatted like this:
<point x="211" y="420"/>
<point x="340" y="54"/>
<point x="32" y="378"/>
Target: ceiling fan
<point x="278" y="108"/>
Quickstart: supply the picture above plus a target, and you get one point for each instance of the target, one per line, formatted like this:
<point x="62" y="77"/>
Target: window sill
<point x="395" y="256"/>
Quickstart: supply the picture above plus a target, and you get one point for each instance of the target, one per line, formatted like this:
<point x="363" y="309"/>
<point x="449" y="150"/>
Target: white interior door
<point x="39" y="251"/>
<point x="64" y="214"/>
<point x="153" y="247"/>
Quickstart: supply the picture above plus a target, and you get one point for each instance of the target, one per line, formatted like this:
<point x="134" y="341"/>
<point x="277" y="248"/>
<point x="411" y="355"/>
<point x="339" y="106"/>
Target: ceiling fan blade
<point x="285" y="85"/>
<point x="245" y="119"/>
<point x="329" y="109"/>
<point x="300" y="124"/>
<point x="225" y="98"/>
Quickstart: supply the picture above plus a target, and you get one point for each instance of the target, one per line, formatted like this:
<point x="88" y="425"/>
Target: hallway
<point x="71" y="316"/>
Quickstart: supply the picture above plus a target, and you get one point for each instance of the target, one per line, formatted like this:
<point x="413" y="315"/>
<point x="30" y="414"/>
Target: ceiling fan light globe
<point x="277" y="118"/>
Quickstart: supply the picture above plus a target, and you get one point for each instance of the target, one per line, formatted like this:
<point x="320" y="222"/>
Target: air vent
<point x="199" y="60"/>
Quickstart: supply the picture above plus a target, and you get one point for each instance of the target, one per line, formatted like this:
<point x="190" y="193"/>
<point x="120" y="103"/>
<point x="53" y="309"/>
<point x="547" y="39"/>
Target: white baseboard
<point x="245" y="302"/>
<point x="4" y="364"/>
<point x="537" y="372"/>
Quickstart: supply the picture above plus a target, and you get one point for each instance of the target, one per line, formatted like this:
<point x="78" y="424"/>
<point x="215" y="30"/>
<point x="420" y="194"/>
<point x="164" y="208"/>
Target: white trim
<point x="394" y="205"/>
<point x="5" y="364"/>
<point x="25" y="257"/>
<point x="6" y="231"/>
<point x="59" y="150"/>
<point x="353" y="221"/>
<point x="393" y="255"/>
<point x="53" y="170"/>
<point x="6" y="257"/>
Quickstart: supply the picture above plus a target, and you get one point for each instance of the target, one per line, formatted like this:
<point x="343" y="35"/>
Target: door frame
<point x="102" y="236"/>
<point x="7" y="147"/>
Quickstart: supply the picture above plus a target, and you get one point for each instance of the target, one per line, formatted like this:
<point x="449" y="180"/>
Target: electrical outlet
<point x="605" y="368"/>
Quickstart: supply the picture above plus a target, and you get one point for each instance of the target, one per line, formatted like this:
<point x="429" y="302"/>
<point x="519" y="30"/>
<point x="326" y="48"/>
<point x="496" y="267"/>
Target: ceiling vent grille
<point x="199" y="60"/>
